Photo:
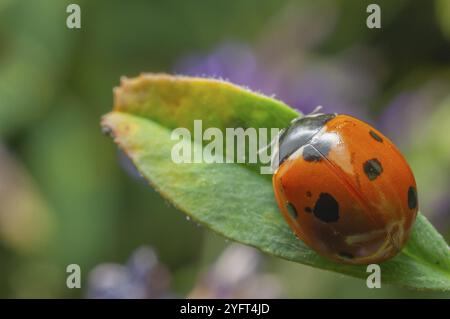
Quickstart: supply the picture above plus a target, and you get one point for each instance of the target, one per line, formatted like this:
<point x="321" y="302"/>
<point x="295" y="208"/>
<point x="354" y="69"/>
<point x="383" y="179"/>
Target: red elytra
<point x="344" y="188"/>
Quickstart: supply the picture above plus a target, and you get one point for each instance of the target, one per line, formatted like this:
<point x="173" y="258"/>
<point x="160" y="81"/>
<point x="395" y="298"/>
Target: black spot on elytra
<point x="292" y="211"/>
<point x="299" y="133"/>
<point x="346" y="255"/>
<point x="376" y="137"/>
<point x="412" y="197"/>
<point x="308" y="209"/>
<point x="308" y="193"/>
<point x="372" y="168"/>
<point x="326" y="208"/>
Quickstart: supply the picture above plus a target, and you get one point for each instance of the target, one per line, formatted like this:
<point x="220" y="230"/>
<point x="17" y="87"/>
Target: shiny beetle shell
<point x="344" y="188"/>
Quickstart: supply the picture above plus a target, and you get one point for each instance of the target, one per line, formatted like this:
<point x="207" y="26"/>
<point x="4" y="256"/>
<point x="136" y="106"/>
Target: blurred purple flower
<point x="237" y="274"/>
<point x="142" y="277"/>
<point x="235" y="62"/>
<point x="395" y="122"/>
<point x="406" y="111"/>
<point x="402" y="121"/>
<point x="441" y="216"/>
<point x="302" y="82"/>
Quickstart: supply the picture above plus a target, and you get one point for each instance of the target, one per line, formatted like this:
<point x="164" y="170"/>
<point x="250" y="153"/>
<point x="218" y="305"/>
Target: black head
<point x="299" y="133"/>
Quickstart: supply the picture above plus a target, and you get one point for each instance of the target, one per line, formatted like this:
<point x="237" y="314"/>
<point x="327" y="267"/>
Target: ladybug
<point x="344" y="188"/>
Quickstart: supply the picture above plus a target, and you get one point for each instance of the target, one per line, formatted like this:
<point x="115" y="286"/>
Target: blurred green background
<point x="68" y="196"/>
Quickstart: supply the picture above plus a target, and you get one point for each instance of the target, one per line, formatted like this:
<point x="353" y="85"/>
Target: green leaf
<point x="232" y="199"/>
<point x="443" y="16"/>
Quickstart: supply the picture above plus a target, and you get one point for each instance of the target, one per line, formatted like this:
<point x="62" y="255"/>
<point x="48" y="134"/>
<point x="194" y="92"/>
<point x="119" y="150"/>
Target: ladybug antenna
<point x="274" y="145"/>
<point x="312" y="113"/>
<point x="316" y="110"/>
